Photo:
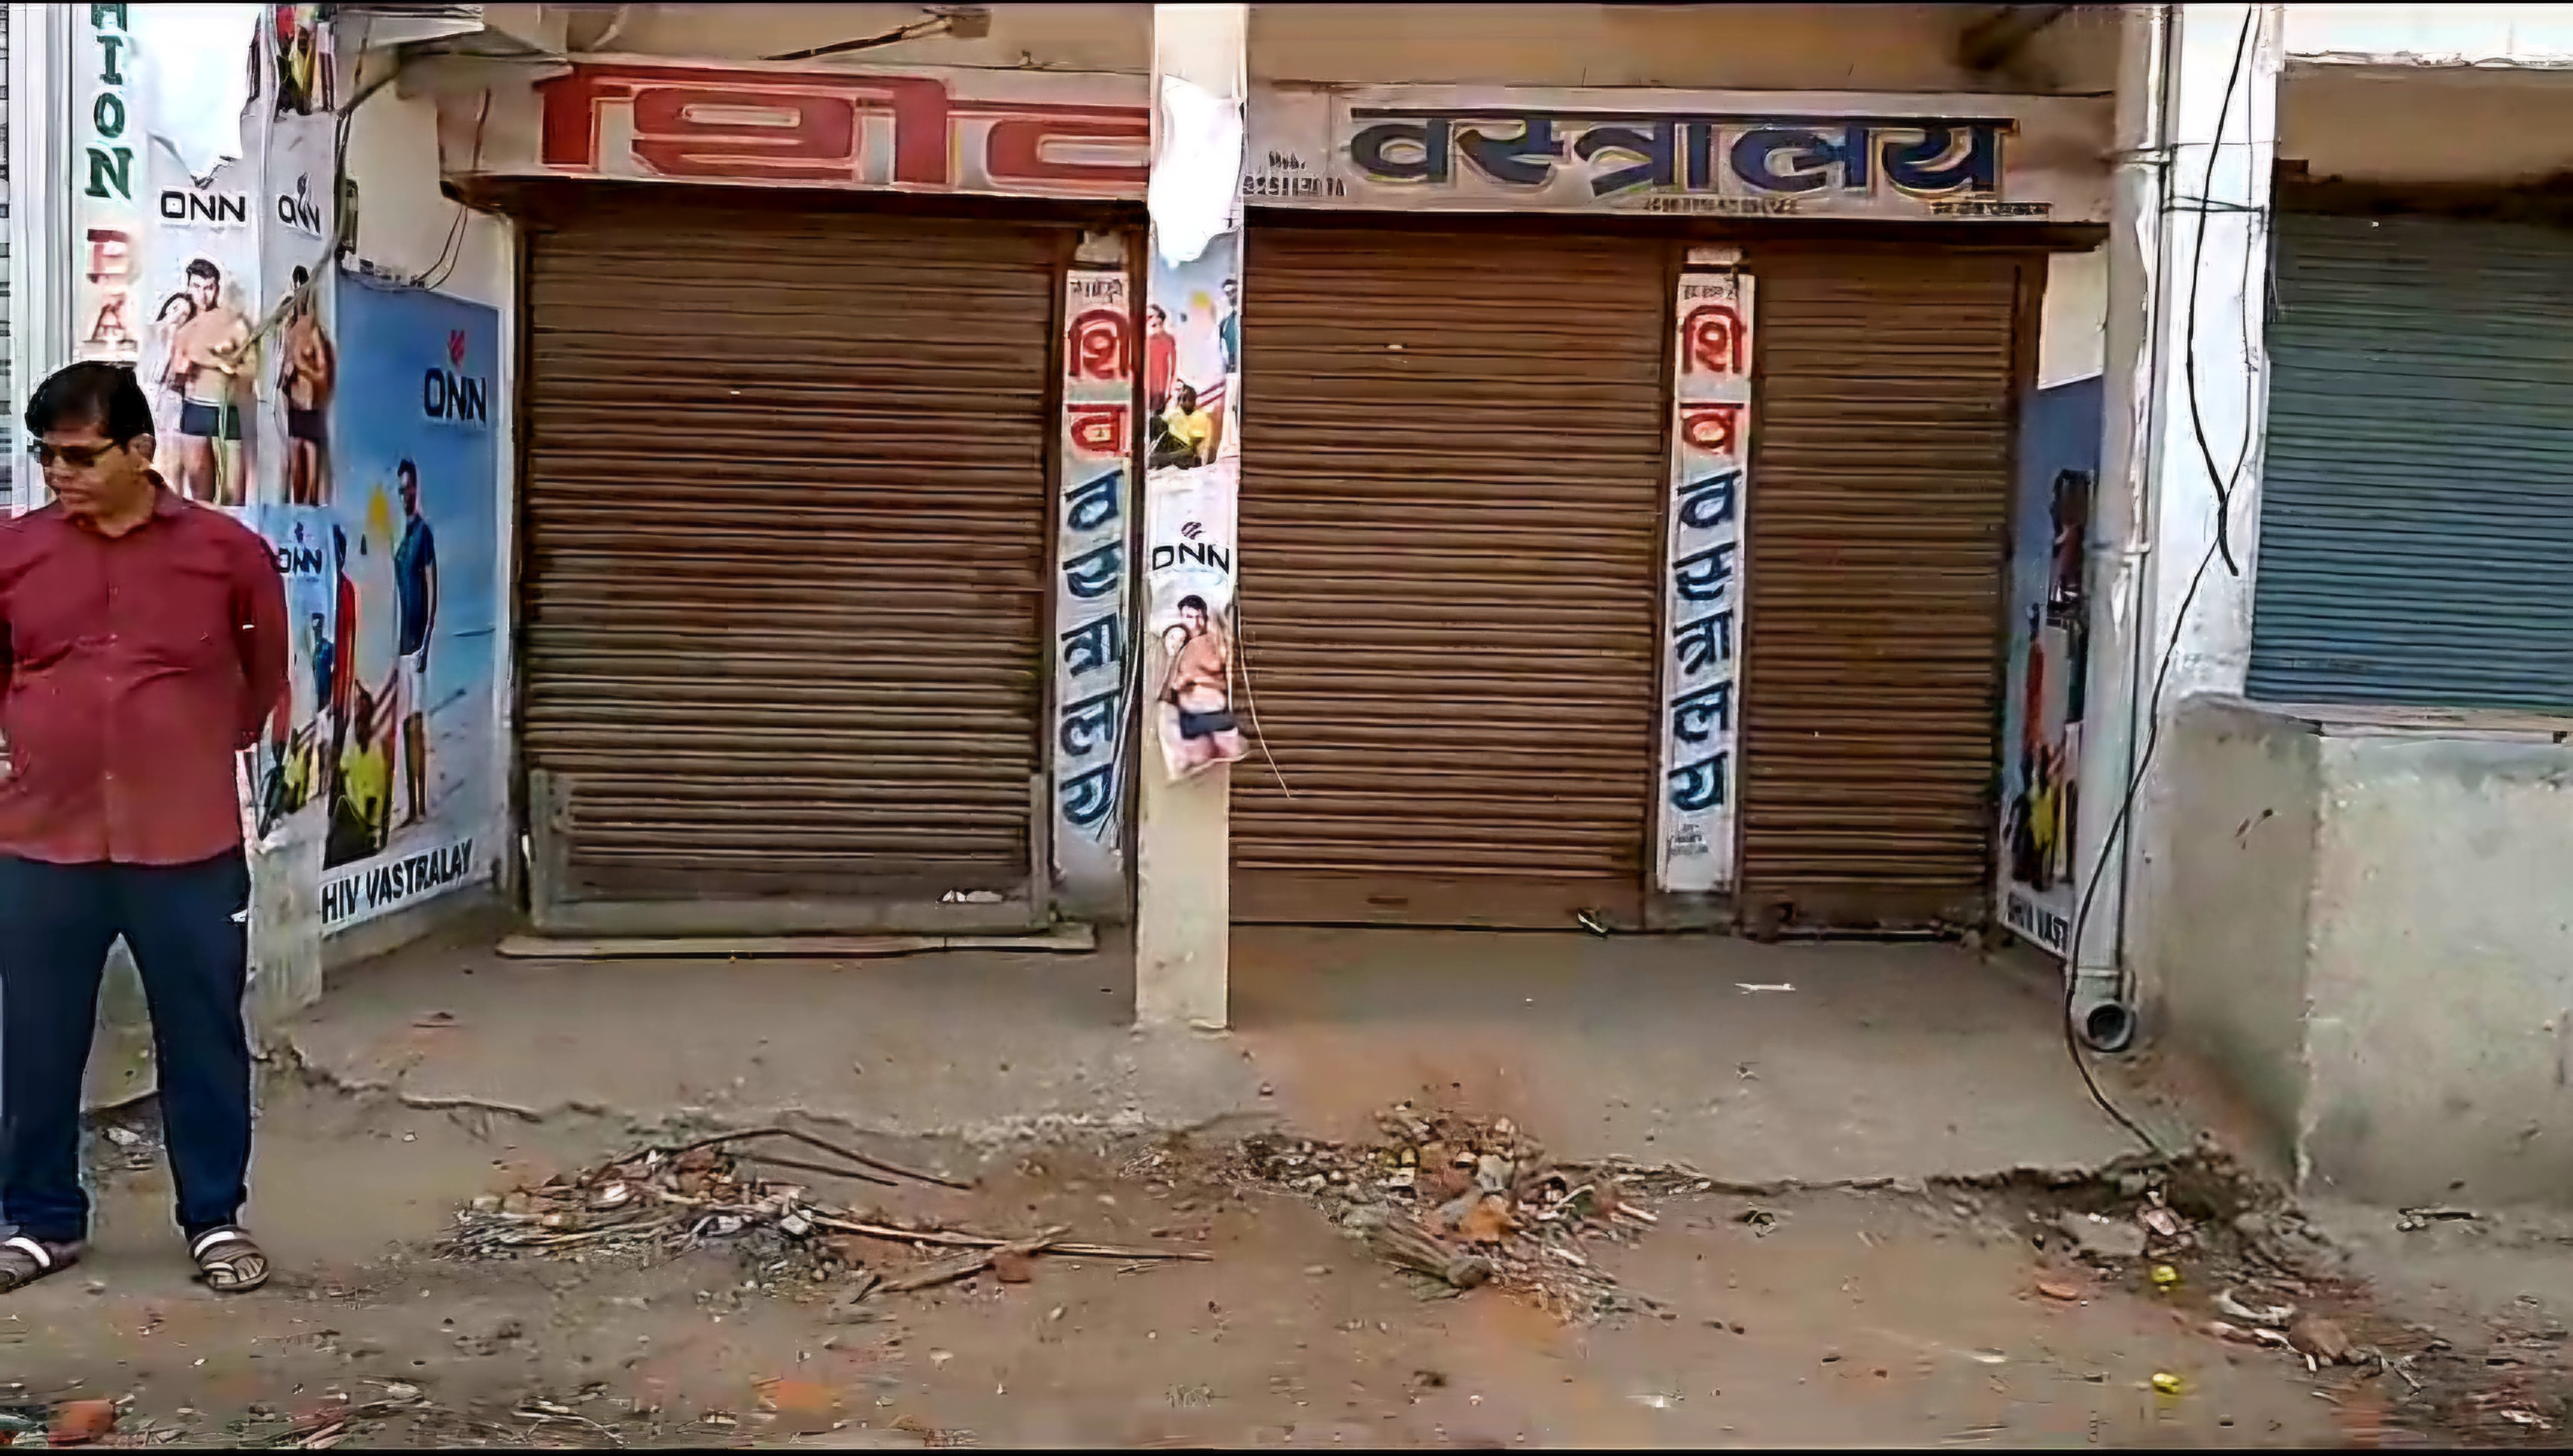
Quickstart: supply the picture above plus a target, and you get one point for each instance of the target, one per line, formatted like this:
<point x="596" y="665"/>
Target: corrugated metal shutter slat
<point x="1877" y="525"/>
<point x="1452" y="452"/>
<point x="2416" y="515"/>
<point x="785" y="529"/>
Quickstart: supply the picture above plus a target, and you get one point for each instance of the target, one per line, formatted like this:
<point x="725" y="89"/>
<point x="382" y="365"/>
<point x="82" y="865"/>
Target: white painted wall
<point x="2431" y="35"/>
<point x="404" y="221"/>
<point x="2489" y="127"/>
<point x="1770" y="47"/>
<point x="2071" y="336"/>
<point x="1048" y="37"/>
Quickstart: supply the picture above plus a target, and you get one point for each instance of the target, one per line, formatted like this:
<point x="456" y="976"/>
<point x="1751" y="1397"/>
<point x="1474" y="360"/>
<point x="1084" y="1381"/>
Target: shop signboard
<point x="1088" y="135"/>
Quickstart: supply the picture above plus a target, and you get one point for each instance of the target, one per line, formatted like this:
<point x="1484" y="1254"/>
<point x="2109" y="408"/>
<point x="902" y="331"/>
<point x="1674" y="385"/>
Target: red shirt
<point x="1161" y="365"/>
<point x="344" y="645"/>
<point x="135" y="667"/>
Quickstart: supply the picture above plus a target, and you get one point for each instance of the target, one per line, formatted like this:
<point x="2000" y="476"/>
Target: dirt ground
<point x="1928" y="1316"/>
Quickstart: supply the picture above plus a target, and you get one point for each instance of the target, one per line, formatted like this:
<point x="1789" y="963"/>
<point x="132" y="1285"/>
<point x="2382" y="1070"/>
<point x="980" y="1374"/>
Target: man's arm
<point x="259" y="634"/>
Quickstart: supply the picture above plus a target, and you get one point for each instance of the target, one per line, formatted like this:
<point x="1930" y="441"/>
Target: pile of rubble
<point x="661" y="1202"/>
<point x="1469" y="1203"/>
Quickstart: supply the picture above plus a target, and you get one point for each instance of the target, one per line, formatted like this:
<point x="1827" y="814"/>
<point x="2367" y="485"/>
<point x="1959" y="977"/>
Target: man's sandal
<point x="228" y="1262"/>
<point x="24" y="1261"/>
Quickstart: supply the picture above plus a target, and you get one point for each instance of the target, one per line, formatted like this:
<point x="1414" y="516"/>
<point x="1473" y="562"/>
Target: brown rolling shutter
<point x="784" y="542"/>
<point x="1453" y="460"/>
<point x="1879" y="532"/>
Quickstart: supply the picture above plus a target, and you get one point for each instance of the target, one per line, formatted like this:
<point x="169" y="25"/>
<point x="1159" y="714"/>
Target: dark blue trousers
<point x="191" y="942"/>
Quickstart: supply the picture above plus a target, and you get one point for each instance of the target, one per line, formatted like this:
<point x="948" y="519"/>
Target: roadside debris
<point x="1467" y="1204"/>
<point x="2320" y="1339"/>
<point x="2274" y="1315"/>
<point x="661" y="1202"/>
<point x="2096" y="1236"/>
<point x="2415" y="1220"/>
<point x="82" y="1422"/>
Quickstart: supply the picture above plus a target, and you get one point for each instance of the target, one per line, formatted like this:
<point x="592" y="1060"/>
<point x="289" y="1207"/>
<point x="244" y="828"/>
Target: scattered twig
<point x="800" y="1165"/>
<point x="821" y="1145"/>
<point x="957" y="1239"/>
<point x="965" y="1267"/>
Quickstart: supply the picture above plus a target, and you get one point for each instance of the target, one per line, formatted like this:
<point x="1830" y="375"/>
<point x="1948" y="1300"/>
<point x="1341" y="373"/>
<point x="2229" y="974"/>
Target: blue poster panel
<point x="409" y="699"/>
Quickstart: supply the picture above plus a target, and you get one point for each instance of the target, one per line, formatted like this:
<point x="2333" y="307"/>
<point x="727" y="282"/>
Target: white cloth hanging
<point x="1195" y="191"/>
<point x="193" y="67"/>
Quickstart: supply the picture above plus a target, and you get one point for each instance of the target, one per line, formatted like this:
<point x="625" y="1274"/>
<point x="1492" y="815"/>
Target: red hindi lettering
<point x="1095" y="345"/>
<point x="1711" y="340"/>
<point x="1714" y="429"/>
<point x="1016" y="152"/>
<point x="704" y="131"/>
<point x="693" y="121"/>
<point x="1097" y="430"/>
<point x="922" y="125"/>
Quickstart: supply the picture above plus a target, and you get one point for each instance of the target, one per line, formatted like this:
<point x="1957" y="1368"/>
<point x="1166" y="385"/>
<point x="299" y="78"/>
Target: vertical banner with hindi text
<point x="1091" y="674"/>
<point x="2050" y="655"/>
<point x="1192" y="482"/>
<point x="412" y="723"/>
<point x="108" y="179"/>
<point x="1703" y="602"/>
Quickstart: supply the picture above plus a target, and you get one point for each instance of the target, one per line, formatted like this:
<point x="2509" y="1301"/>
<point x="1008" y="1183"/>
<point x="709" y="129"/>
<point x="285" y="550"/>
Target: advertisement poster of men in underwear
<point x="1193" y="455"/>
<point x="2049" y="652"/>
<point x="198" y="301"/>
<point x="411" y="708"/>
<point x="296" y="224"/>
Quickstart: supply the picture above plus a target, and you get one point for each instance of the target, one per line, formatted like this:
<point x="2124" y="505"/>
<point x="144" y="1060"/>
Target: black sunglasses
<point x="78" y="457"/>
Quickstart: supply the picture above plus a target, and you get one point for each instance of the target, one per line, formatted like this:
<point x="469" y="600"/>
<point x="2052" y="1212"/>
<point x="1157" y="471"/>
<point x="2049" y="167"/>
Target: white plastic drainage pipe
<point x="2120" y="524"/>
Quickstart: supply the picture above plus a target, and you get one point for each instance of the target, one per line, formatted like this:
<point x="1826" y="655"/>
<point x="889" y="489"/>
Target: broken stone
<point x="1492" y="1173"/>
<point x="2103" y="1238"/>
<point x="2320" y="1339"/>
<point x="2252" y="1314"/>
<point x="1453" y="1212"/>
<point x="1009" y="1266"/>
<point x="1488" y="1222"/>
<point x="80" y="1423"/>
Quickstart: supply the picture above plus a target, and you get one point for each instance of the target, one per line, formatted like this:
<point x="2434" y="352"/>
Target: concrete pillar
<point x="39" y="228"/>
<point x="1183" y="898"/>
<point x="2186" y="393"/>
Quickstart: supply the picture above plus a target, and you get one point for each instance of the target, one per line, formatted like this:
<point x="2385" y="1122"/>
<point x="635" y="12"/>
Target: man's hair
<point x="409" y="471"/>
<point x="101" y="395"/>
<point x="1193" y="600"/>
<point x="300" y="276"/>
<point x="200" y="267"/>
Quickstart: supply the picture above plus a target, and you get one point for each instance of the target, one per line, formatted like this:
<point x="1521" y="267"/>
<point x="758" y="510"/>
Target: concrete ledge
<point x="1907" y="1062"/>
<point x="2362" y="923"/>
<point x="386" y="934"/>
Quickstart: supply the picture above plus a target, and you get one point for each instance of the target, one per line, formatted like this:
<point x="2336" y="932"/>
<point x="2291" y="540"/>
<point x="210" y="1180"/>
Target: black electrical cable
<point x="2224" y="483"/>
<point x="2189" y="357"/>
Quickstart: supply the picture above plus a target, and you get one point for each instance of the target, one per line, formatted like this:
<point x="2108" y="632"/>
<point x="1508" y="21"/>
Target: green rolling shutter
<point x="2417" y="517"/>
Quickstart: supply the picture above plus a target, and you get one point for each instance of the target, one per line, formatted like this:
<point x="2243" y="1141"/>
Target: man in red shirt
<point x="142" y="640"/>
